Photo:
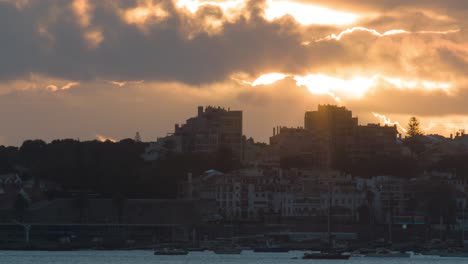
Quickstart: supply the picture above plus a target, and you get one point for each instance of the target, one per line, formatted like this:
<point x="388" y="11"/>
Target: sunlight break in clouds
<point x="355" y="87"/>
<point x="323" y="84"/>
<point x="229" y="7"/>
<point x="269" y="78"/>
<point x="387" y="121"/>
<point x="307" y="14"/>
<point x="386" y="33"/>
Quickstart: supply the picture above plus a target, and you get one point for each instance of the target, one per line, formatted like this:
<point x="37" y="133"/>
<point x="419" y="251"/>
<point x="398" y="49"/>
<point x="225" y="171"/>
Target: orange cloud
<point x="386" y="33"/>
<point x="123" y="83"/>
<point x="104" y="139"/>
<point x="144" y="12"/>
<point x="387" y="121"/>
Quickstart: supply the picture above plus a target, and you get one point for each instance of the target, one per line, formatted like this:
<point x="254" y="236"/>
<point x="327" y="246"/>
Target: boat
<point x="170" y="252"/>
<point x="362" y="252"/>
<point x="271" y="249"/>
<point x="199" y="249"/>
<point x="385" y="253"/>
<point x="228" y="251"/>
<point x="330" y="252"/>
<point x="433" y="252"/>
<point x="454" y="253"/>
<point x="325" y="255"/>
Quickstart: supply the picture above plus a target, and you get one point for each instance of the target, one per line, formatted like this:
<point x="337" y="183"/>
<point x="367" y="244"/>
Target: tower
<point x="137" y="137"/>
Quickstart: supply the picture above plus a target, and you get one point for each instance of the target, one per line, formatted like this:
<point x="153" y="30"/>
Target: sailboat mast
<point x="329" y="212"/>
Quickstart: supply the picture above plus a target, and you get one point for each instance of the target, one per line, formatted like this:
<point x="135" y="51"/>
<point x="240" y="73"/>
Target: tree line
<point x="108" y="168"/>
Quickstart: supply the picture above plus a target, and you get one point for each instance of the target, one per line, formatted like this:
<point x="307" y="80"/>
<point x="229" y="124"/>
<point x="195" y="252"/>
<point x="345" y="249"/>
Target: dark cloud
<point x="161" y="52"/>
<point x="179" y="48"/>
<point x="19" y="42"/>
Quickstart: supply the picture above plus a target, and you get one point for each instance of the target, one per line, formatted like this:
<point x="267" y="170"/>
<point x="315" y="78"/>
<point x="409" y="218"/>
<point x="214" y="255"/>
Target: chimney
<point x="274" y="131"/>
<point x="200" y="110"/>
<point x="399" y="135"/>
<point x="176" y="128"/>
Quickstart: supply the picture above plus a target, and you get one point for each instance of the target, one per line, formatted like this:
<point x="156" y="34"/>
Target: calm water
<point x="147" y="257"/>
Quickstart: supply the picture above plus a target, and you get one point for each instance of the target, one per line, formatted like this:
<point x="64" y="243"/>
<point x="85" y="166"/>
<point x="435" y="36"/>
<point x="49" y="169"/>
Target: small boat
<point x="385" y="253"/>
<point x="454" y="254"/>
<point x="433" y="252"/>
<point x="230" y="251"/>
<point x="271" y="250"/>
<point x="325" y="255"/>
<point x="196" y="249"/>
<point x="170" y="252"/>
<point x="362" y="252"/>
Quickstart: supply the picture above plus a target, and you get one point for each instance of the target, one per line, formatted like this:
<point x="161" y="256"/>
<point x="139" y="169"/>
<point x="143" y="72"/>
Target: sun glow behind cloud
<point x="229" y="7"/>
<point x="269" y="78"/>
<point x="348" y="88"/>
<point x="324" y="84"/>
<point x="307" y="14"/>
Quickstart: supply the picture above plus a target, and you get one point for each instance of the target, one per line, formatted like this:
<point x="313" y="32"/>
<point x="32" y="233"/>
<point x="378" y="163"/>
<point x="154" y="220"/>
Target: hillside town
<point x="332" y="179"/>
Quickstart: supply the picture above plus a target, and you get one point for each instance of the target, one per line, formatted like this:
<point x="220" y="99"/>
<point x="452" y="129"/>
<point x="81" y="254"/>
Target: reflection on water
<point x="147" y="257"/>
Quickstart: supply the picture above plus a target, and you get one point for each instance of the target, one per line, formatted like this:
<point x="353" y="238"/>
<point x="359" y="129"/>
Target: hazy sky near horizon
<point x="108" y="68"/>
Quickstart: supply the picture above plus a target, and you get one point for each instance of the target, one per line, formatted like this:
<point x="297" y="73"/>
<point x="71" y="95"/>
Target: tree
<point x="414" y="136"/>
<point x="413" y="128"/>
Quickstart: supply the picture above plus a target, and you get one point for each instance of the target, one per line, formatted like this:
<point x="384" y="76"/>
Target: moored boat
<point x="170" y="252"/>
<point x="325" y="255"/>
<point x="385" y="253"/>
<point x="454" y="254"/>
<point x="271" y="250"/>
<point x="230" y="251"/>
<point x="199" y="249"/>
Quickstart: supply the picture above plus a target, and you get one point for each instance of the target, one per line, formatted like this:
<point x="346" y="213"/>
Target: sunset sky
<point x="94" y="69"/>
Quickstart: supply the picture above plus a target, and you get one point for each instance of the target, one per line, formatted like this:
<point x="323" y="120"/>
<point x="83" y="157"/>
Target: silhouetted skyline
<point x="83" y="69"/>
